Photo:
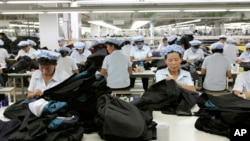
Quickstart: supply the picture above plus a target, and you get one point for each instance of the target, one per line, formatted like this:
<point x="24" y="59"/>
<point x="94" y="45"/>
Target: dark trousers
<point x="144" y="82"/>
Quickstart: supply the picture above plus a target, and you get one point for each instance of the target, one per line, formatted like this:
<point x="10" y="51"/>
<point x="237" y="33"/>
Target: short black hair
<point x="63" y="53"/>
<point x="217" y="50"/>
<point x="45" y="61"/>
<point x="173" y="52"/>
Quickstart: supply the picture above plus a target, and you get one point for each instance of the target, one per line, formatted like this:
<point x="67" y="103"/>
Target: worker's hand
<point x="37" y="93"/>
<point x="82" y="62"/>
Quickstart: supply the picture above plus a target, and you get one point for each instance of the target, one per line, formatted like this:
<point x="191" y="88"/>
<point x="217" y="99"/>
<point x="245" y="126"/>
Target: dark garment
<point x="97" y="58"/>
<point x="8" y="127"/>
<point x="144" y="82"/>
<point x="166" y="96"/>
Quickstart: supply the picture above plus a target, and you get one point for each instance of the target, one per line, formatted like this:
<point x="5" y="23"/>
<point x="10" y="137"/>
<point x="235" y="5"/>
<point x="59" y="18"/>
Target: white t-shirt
<point x="67" y="64"/>
<point x="3" y="55"/>
<point x="37" y="81"/>
<point x="127" y="49"/>
<point x="184" y="76"/>
<point x="117" y="65"/>
<point x="30" y="53"/>
<point x="216" y="67"/>
<point x="190" y="55"/>
<point x="245" y="56"/>
<point x="80" y="57"/>
<point x="230" y="52"/>
<point x="142" y="53"/>
<point x="242" y="82"/>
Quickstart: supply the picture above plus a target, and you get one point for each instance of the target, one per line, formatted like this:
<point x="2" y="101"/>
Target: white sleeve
<point x="149" y="53"/>
<point x="202" y="54"/>
<point x="189" y="80"/>
<point x="242" y="56"/>
<point x="6" y="55"/>
<point x="32" y="84"/>
<point x="159" y="76"/>
<point x="185" y="55"/>
<point x="74" y="65"/>
<point x="204" y="64"/>
<point x="239" y="82"/>
<point x="105" y="63"/>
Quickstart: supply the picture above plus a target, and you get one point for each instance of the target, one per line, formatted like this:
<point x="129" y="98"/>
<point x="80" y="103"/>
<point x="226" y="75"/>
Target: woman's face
<point x="110" y="48"/>
<point x="47" y="70"/>
<point x="173" y="61"/>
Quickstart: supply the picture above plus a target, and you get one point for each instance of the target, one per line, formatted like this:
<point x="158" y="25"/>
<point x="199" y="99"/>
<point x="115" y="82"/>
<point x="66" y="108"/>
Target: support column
<point x="151" y="31"/>
<point x="49" y="30"/>
<point x="76" y="23"/>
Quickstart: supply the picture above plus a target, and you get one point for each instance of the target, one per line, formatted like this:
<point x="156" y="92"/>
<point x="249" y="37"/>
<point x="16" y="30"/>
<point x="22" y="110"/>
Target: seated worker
<point x="173" y="59"/>
<point x="26" y="50"/>
<point x="230" y="50"/>
<point x="66" y="62"/>
<point x="163" y="44"/>
<point x="47" y="76"/>
<point x="194" y="53"/>
<point x="216" y="69"/>
<point x="61" y="43"/>
<point x="140" y="52"/>
<point x="80" y="54"/>
<point x="245" y="56"/>
<point x="242" y="85"/>
<point x="3" y="54"/>
<point x="116" y="66"/>
<point x="222" y="39"/>
<point x="32" y="44"/>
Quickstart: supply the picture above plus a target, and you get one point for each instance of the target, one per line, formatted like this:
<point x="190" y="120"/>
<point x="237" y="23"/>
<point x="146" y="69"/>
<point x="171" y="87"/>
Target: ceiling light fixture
<point x="33" y="1"/>
<point x="104" y="24"/>
<point x="58" y="12"/>
<point x="239" y="10"/>
<point x="113" y="11"/>
<point x="21" y="12"/>
<point x="145" y="11"/>
<point x="205" y="10"/>
<point x="138" y="24"/>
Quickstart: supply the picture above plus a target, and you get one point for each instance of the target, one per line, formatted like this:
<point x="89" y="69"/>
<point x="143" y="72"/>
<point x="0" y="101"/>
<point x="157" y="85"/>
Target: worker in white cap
<point x="230" y="51"/>
<point x="116" y="66"/>
<point x="61" y="43"/>
<point x="172" y="39"/>
<point x="25" y="50"/>
<point x="194" y="53"/>
<point x="222" y="39"/>
<point x="80" y="54"/>
<point x="245" y="56"/>
<point x="32" y="43"/>
<point x="3" y="54"/>
<point x="163" y="44"/>
<point x="47" y="76"/>
<point x="140" y="53"/>
<point x="66" y="62"/>
<point x="216" y="69"/>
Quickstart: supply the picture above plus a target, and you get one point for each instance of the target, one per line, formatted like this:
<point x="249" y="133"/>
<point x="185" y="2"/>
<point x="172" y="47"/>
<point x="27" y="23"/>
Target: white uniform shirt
<point x="127" y="49"/>
<point x="3" y="55"/>
<point x="216" y="67"/>
<point x="30" y="53"/>
<point x="117" y="64"/>
<point x="67" y="64"/>
<point x="245" y="56"/>
<point x="80" y="57"/>
<point x="184" y="76"/>
<point x="139" y="54"/>
<point x="242" y="82"/>
<point x="230" y="52"/>
<point x="37" y="81"/>
<point x="190" y="55"/>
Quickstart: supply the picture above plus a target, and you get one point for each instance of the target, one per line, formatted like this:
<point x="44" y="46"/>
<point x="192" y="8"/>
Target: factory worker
<point x="61" y="43"/>
<point x="26" y="50"/>
<point x="245" y="56"/>
<point x="80" y="54"/>
<point x="194" y="53"/>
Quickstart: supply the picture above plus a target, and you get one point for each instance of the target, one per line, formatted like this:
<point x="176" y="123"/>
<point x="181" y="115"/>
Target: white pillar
<point x="76" y="23"/>
<point x="66" y="25"/>
<point x="95" y="30"/>
<point x="151" y="31"/>
<point x="49" y="30"/>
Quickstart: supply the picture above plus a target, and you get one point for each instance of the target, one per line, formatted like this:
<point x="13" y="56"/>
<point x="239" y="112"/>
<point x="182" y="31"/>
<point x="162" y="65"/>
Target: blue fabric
<point x="113" y="41"/>
<point x="47" y="54"/>
<point x="54" y="124"/>
<point x="172" y="48"/>
<point x="209" y="104"/>
<point x="79" y="45"/>
<point x="53" y="106"/>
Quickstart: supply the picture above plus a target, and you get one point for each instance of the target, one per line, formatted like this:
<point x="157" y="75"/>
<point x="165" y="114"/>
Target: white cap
<point x="32" y="43"/>
<point x="189" y="33"/>
<point x="60" y="39"/>
<point x="1" y="42"/>
<point x="79" y="45"/>
<point x="217" y="45"/>
<point x="47" y="54"/>
<point x="113" y="41"/>
<point x="138" y="38"/>
<point x="172" y="38"/>
<point x="222" y="37"/>
<point x="195" y="43"/>
<point x="230" y="41"/>
<point x="248" y="45"/>
<point x="23" y="44"/>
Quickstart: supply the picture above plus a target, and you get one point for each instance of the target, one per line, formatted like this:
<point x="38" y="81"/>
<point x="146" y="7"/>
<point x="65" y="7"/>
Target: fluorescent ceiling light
<point x="239" y="10"/>
<point x="187" y="22"/>
<point x="20" y="25"/>
<point x="23" y="12"/>
<point x="138" y="24"/>
<point x="41" y="1"/>
<point x="113" y="11"/>
<point x="57" y="12"/>
<point x="205" y="10"/>
<point x="31" y="23"/>
<point x="104" y="24"/>
<point x="145" y="11"/>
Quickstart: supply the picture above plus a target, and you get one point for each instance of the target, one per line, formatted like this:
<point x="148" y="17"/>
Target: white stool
<point x="8" y="91"/>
